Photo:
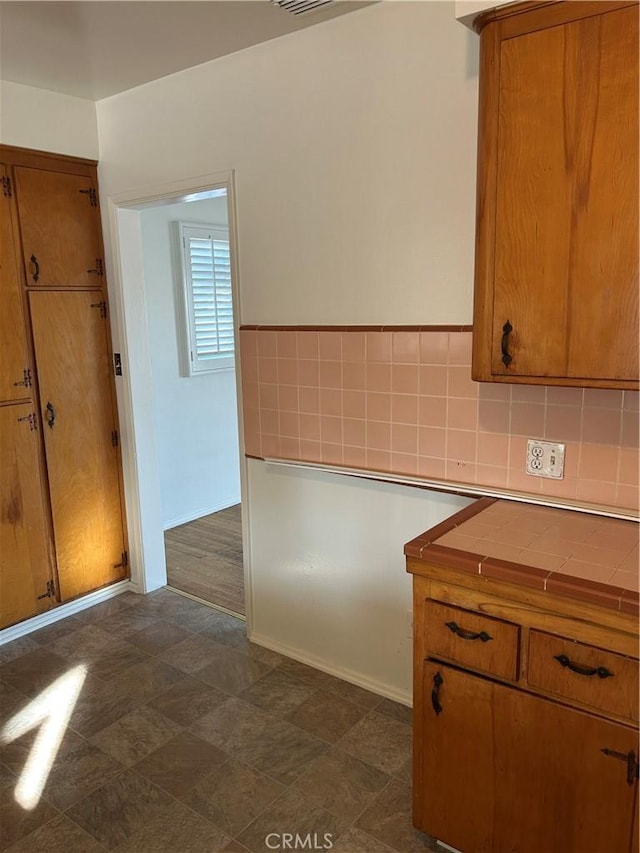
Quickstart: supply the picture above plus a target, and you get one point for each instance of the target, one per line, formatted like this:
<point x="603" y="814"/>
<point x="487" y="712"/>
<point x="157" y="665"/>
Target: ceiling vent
<point x="302" y="7"/>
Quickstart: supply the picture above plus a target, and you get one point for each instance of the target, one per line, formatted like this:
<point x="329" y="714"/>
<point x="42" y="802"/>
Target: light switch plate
<point x="545" y="459"/>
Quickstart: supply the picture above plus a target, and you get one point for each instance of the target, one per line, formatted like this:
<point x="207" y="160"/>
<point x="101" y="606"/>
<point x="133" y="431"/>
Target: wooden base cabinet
<point x="62" y="523"/>
<point x="525" y="718"/>
<point x="504" y="770"/>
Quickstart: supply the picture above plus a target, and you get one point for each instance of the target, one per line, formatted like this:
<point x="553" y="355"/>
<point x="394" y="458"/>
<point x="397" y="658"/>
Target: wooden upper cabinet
<point x="60" y="228"/>
<point x="15" y="380"/>
<point x="557" y="229"/>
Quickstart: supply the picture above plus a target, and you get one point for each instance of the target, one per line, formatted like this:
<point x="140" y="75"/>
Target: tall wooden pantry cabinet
<point x="62" y="528"/>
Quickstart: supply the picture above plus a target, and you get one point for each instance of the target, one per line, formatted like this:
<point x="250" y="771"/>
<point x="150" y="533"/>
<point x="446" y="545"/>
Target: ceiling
<point x="96" y="49"/>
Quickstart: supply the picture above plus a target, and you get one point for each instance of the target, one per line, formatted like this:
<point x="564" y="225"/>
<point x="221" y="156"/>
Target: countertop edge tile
<point x="594" y="592"/>
<point x="516" y="573"/>
<point x="630" y="602"/>
<point x="470" y="511"/>
<point x="411" y="549"/>
<point x="452" y="558"/>
<point x="604" y="593"/>
<point x="414" y="548"/>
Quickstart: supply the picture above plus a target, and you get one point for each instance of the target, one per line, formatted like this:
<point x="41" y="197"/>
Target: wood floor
<point x="204" y="558"/>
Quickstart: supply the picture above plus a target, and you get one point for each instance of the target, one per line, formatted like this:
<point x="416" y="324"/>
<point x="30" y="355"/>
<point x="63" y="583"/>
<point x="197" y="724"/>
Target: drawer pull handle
<point x="600" y="671"/>
<point x="435" y="693"/>
<point x="467" y="635"/>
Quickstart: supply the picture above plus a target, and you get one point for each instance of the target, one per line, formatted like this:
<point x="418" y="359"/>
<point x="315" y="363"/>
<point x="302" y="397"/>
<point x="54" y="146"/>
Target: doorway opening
<point x="187" y="280"/>
<point x="176" y="282"/>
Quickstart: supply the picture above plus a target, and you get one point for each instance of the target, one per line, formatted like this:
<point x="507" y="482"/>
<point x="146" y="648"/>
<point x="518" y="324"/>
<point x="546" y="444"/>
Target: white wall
<point x="336" y="593"/>
<point x="195" y="417"/>
<point x="353" y="144"/>
<point x="47" y="121"/>
<point x="354" y="147"/>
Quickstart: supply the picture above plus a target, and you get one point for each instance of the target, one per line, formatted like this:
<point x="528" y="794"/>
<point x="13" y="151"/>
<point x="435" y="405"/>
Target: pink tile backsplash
<point x="405" y="348"/>
<point x="378" y="377"/>
<point x="403" y="402"/>
<point x="330" y="344"/>
<point x="287" y="345"/>
<point x="404" y="408"/>
<point x="307" y="343"/>
<point x="379" y="407"/>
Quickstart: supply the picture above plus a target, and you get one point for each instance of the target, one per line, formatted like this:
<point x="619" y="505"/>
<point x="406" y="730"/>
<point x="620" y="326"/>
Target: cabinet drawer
<point x="472" y="639"/>
<point x="586" y="674"/>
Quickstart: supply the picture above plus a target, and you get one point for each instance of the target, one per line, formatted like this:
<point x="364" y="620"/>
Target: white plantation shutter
<point x="207" y="277"/>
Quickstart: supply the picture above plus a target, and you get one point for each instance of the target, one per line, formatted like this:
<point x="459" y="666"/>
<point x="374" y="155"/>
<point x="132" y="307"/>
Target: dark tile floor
<point x="187" y="738"/>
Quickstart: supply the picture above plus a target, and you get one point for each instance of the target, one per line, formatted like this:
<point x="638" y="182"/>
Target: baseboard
<point x="376" y="687"/>
<point x="64" y="610"/>
<point x="192" y="516"/>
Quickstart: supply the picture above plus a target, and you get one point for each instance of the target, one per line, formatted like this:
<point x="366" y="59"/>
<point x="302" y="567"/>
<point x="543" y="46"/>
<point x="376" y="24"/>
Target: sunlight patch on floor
<point x="51" y="710"/>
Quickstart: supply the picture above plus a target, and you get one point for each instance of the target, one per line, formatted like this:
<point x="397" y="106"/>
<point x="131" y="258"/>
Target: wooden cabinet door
<point x="60" y="228"/>
<point x="457" y="759"/>
<point x="13" y="349"/>
<point x="25" y="569"/>
<point x="557" y="253"/>
<point x="505" y="770"/>
<point x="74" y="375"/>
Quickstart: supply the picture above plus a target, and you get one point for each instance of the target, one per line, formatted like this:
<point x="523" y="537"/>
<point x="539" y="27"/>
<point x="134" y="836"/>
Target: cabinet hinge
<point x="51" y="591"/>
<point x="31" y="420"/>
<point x="26" y="379"/>
<point x="114" y="437"/>
<point x="124" y="561"/>
<point x="98" y="269"/>
<point x="93" y="197"/>
<point x="7" y="190"/>
<point x="102" y="306"/>
<point x="633" y="768"/>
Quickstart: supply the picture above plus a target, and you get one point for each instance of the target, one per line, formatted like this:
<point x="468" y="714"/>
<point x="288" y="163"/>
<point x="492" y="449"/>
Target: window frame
<point x="189" y="365"/>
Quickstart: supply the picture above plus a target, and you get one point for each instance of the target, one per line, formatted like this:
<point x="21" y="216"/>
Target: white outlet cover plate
<point x="545" y="459"/>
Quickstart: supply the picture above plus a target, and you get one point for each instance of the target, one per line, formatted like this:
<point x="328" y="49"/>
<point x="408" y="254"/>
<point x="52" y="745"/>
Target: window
<point x="206" y="282"/>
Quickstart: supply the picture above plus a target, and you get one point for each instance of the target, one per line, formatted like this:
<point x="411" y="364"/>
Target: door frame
<point x="125" y="277"/>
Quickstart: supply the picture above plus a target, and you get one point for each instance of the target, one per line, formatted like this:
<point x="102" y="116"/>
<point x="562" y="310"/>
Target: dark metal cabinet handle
<point x="467" y="635"/>
<point x="51" y="415"/>
<point x="600" y="671"/>
<point x="506" y="331"/>
<point x="35" y="275"/>
<point x="435" y="693"/>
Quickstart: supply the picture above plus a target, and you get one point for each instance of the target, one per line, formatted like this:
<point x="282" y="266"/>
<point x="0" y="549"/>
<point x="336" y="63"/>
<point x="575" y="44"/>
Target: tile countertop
<point x="574" y="554"/>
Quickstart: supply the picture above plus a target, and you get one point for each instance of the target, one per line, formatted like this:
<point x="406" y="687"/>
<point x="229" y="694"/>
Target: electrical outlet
<point x="545" y="459"/>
